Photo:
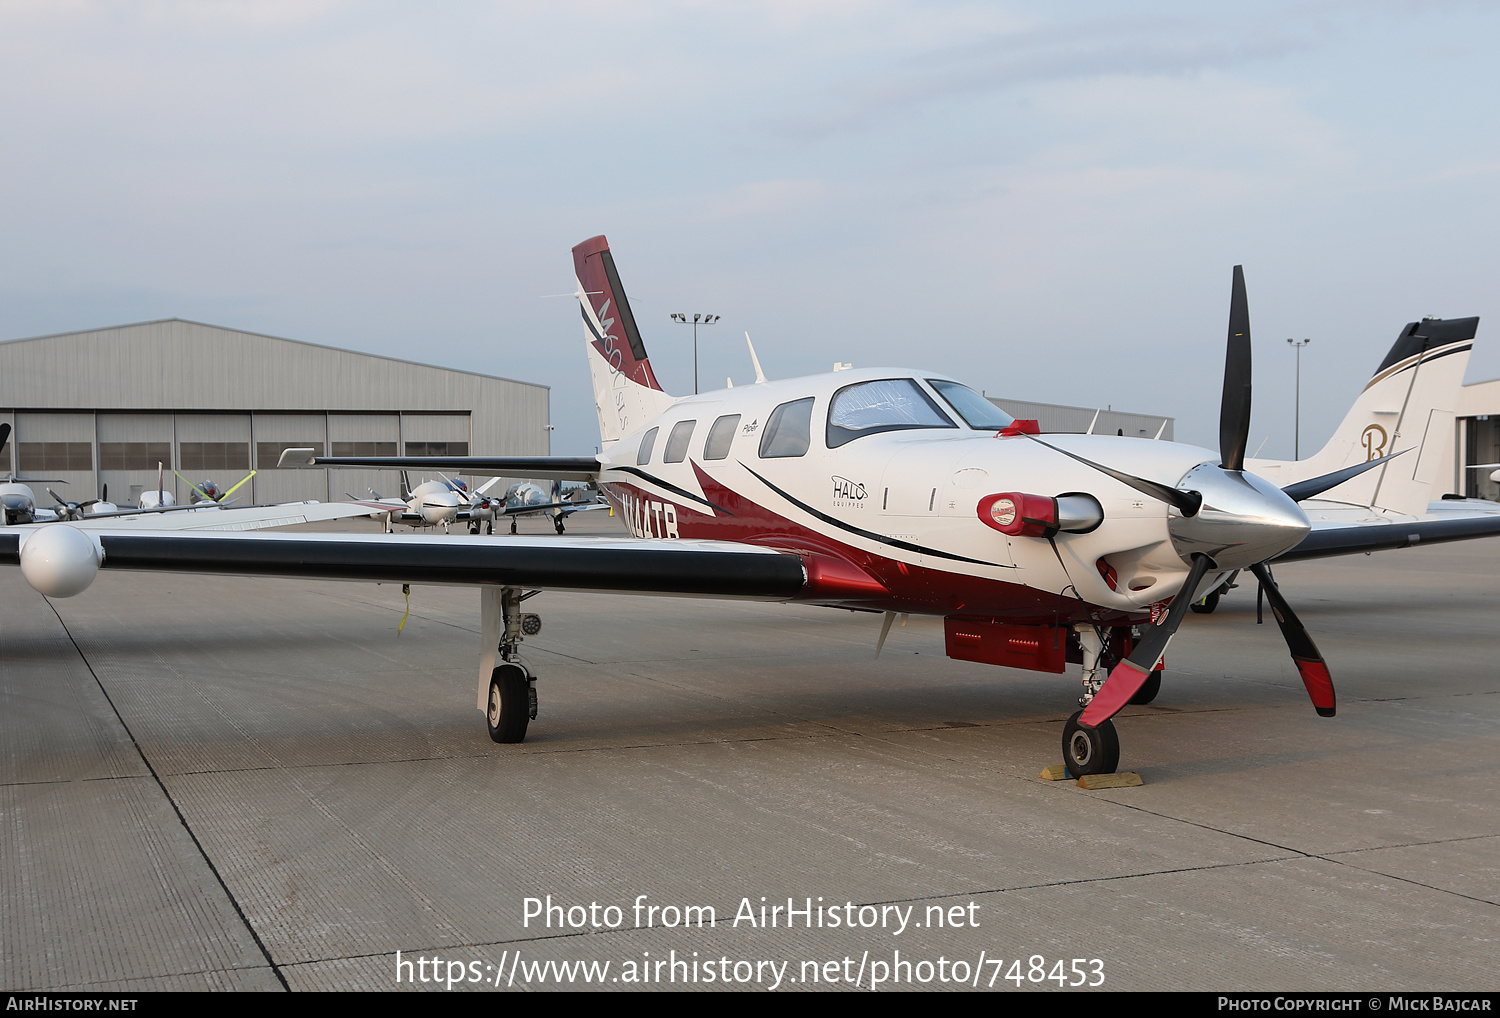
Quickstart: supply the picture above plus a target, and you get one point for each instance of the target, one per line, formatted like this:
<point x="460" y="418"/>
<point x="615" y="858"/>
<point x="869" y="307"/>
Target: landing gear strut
<point x="507" y="687"/>
<point x="1097" y="750"/>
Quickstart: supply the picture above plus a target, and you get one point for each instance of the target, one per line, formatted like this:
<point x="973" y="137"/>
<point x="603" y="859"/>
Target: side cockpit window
<point x="644" y="455"/>
<point x="677" y="442"/>
<point x="720" y="436"/>
<point x="888" y="404"/>
<point x="788" y="430"/>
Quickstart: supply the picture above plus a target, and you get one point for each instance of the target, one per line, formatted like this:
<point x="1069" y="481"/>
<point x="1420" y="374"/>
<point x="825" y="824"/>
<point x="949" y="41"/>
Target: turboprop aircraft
<point x="888" y="490"/>
<point x="428" y="506"/>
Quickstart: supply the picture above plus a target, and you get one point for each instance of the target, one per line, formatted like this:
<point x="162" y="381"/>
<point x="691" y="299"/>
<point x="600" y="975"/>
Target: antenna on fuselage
<point x="1092" y="423"/>
<point x="760" y="376"/>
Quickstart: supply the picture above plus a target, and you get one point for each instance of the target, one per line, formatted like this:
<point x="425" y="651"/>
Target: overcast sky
<point x="1043" y="199"/>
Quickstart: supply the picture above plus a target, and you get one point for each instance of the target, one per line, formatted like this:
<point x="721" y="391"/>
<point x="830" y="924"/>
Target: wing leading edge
<point x="1348" y="540"/>
<point x="694" y="568"/>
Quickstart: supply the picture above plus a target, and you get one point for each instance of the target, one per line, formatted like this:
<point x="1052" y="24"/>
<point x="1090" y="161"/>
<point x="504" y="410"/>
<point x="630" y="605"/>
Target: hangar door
<point x="363" y="435"/>
<point x="213" y="447"/>
<point x="277" y="432"/>
<point x="130" y="447"/>
<point x="60" y="447"/>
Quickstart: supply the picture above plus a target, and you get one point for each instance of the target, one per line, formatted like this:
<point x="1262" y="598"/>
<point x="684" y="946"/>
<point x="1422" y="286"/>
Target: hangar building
<point x="106" y="405"/>
<point x="1057" y="419"/>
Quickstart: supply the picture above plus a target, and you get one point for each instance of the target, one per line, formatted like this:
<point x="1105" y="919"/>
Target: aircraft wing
<point x="258" y="517"/>
<point x="1347" y="530"/>
<point x="686" y="567"/>
<point x="572" y="507"/>
<point x="560" y="468"/>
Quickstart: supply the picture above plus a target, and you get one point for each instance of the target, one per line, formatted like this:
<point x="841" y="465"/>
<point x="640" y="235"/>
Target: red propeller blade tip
<point x="1319" y="685"/>
<point x="1116" y="692"/>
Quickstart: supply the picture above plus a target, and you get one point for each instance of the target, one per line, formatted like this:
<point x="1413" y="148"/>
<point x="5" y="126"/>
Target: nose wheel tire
<point x="1090" y="750"/>
<point x="1148" y="689"/>
<point x="511" y="704"/>
<point x="1207" y="605"/>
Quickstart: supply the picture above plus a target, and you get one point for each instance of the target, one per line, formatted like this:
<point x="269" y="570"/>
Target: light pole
<point x="1297" y="412"/>
<point x="697" y="321"/>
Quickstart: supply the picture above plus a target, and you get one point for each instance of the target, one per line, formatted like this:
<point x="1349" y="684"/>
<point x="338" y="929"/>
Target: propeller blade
<point x="1313" y="486"/>
<point x="4" y="435"/>
<point x="190" y="484"/>
<point x="104" y="492"/>
<point x="1187" y="501"/>
<point x="1234" y="411"/>
<point x="1131" y="674"/>
<point x="1310" y="663"/>
<point x="236" y="488"/>
<point x="56" y="497"/>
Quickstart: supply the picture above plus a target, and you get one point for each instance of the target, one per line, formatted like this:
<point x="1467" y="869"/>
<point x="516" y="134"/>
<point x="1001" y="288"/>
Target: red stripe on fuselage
<point x="893" y="585"/>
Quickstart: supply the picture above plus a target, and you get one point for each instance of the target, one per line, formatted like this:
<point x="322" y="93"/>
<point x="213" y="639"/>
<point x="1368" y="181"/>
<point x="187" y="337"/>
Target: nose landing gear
<point x="1097" y="750"/>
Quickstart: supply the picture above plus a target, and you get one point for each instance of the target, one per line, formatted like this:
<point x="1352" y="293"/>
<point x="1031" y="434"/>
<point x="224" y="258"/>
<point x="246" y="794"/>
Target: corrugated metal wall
<point x="222" y="398"/>
<point x="1074" y="420"/>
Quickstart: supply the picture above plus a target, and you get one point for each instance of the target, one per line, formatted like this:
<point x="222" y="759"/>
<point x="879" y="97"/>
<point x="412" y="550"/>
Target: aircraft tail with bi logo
<point x="1407" y="407"/>
<point x="626" y="393"/>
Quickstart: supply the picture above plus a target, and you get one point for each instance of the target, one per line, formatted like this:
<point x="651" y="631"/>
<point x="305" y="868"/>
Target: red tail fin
<point x="612" y="325"/>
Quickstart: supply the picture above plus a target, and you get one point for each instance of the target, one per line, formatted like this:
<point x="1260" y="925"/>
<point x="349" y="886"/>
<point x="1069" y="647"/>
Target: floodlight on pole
<point x="698" y="319"/>
<point x="1297" y="398"/>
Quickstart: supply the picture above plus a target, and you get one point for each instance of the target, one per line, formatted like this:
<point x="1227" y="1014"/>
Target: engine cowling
<point x="60" y="561"/>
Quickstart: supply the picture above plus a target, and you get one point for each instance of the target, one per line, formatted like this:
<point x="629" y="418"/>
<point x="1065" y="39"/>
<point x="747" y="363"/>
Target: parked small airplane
<point x="884" y="490"/>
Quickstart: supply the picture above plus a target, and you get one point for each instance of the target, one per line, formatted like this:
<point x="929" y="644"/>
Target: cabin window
<point x="720" y="436"/>
<point x="644" y="455"/>
<point x="788" y="430"/>
<point x="889" y="404"/>
<point x="977" y="412"/>
<point x="677" y="442"/>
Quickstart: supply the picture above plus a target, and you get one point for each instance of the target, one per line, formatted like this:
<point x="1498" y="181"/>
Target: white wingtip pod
<point x="60" y="561"/>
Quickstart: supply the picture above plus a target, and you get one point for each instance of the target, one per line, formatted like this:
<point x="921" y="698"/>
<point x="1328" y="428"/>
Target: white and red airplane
<point x="886" y="490"/>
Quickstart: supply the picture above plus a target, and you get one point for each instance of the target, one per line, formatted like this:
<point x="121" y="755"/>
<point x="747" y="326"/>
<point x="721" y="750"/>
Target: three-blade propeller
<point x="1234" y="431"/>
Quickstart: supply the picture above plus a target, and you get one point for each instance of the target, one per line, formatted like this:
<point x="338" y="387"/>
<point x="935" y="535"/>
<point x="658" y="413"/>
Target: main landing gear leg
<point x="1090" y="750"/>
<point x="507" y="688"/>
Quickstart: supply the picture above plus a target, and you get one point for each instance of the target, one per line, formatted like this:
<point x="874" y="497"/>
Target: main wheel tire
<point x="1090" y="750"/>
<point x="1148" y="689"/>
<point x="1207" y="605"/>
<point x="509" y="710"/>
<point x="558" y="523"/>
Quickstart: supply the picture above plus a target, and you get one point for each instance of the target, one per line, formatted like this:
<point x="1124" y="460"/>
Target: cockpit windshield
<point x="977" y="412"/>
<point x="889" y="404"/>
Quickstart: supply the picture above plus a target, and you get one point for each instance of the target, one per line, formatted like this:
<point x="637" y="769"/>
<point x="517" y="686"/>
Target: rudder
<point x="626" y="392"/>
